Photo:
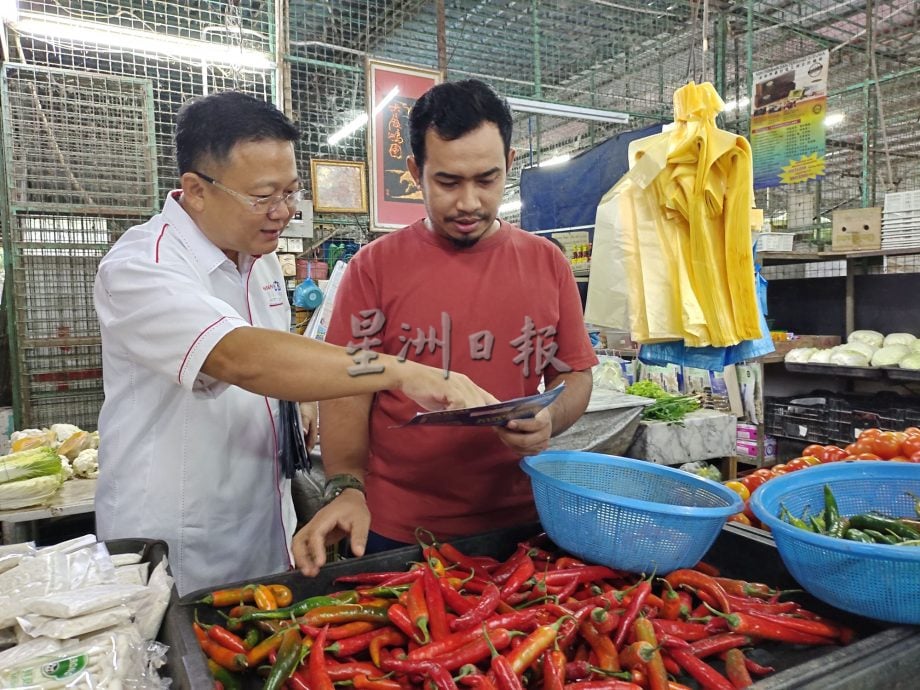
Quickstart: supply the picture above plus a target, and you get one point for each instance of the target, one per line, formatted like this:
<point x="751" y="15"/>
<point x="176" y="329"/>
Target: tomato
<point x="752" y="481"/>
<point x="812" y="460"/>
<point x="860" y="447"/>
<point x="765" y="472"/>
<point x="912" y="431"/>
<point x="779" y="468"/>
<point x="739" y="489"/>
<point x="867" y="434"/>
<point x="749" y="514"/>
<point x="815" y="451"/>
<point x="833" y="453"/>
<point x="914" y="458"/>
<point x="867" y="456"/>
<point x="898" y="458"/>
<point x="740" y="517"/>
<point x="886" y="445"/>
<point x="910" y="445"/>
<point x="796" y="465"/>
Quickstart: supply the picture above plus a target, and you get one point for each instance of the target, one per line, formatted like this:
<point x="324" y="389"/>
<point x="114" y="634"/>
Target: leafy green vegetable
<point x="28" y="464"/>
<point x="647" y="389"/>
<point x="671" y="408"/>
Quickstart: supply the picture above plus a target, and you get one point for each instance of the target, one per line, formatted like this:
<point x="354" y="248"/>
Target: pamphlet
<point x="497" y="414"/>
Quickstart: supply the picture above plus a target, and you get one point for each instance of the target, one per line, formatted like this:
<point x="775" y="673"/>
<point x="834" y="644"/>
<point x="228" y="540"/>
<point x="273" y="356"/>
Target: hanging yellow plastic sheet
<point x="676" y="230"/>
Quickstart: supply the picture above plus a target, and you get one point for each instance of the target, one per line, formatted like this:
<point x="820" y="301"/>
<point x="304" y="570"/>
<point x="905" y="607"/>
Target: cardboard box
<point x="857" y="229"/>
<point x="747" y="432"/>
<point x="749" y="449"/>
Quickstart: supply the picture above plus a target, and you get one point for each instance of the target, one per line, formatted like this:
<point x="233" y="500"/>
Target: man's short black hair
<point x="454" y="109"/>
<point x="209" y="126"/>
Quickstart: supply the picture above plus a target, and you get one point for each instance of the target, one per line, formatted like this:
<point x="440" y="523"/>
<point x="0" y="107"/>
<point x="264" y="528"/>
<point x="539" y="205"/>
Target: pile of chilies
<point x="538" y="619"/>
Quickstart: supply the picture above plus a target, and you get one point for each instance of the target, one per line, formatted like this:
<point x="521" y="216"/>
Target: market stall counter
<point x="882" y="655"/>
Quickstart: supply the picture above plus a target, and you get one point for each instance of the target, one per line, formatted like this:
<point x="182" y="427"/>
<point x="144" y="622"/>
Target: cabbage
<point x="899" y="339"/>
<point x="915" y="346"/>
<point x="29" y="492"/>
<point x="873" y="338"/>
<point x="858" y="346"/>
<point x="27" y="464"/>
<point x="821" y="357"/>
<point x="911" y="361"/>
<point x="800" y="355"/>
<point x="849" y="358"/>
<point x="890" y="356"/>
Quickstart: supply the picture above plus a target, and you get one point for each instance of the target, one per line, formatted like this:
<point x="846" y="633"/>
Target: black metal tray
<point x="883" y="657"/>
<point x="899" y="374"/>
<point x="835" y="370"/>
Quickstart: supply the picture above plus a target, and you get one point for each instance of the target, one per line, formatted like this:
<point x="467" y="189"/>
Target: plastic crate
<point x="851" y="414"/>
<point x="804" y="418"/>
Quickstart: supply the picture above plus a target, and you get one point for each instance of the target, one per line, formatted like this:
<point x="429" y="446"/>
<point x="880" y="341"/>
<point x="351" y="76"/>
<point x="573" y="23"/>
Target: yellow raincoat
<point x="677" y="227"/>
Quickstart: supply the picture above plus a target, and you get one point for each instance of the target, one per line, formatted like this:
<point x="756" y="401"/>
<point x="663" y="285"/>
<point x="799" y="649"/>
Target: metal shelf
<point x="808" y="257"/>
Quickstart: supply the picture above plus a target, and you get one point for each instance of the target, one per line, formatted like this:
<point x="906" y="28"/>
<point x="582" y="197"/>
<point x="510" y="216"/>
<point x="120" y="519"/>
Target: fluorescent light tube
<point x="576" y="112"/>
<point x="131" y="40"/>
<point x="361" y="120"/>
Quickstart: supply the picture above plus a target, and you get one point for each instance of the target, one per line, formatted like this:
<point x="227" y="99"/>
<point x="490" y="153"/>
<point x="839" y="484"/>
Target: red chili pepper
<point x="523" y="572"/>
<point x="519" y="620"/>
<point x="570" y="630"/>
<point x="225" y="638"/>
<point x="418" y="610"/>
<point x="671" y="665"/>
<point x="475" y="651"/>
<point x="388" y="637"/>
<point x="553" y="669"/>
<point x="754" y="605"/>
<point x="351" y="646"/>
<point x="813" y="627"/>
<point x="657" y="674"/>
<point x="297" y="681"/>
<point x="671" y="603"/>
<point x="501" y="574"/>
<point x="434" y="602"/>
<point x="319" y="676"/>
<point x="588" y="573"/>
<point x="455" y="556"/>
<point x="340" y="632"/>
<point x="484" y="608"/>
<point x="718" y="643"/>
<point x="227" y="658"/>
<point x="740" y="588"/>
<point x="533" y="646"/>
<point x="641" y="593"/>
<point x="569" y="562"/>
<point x="769" y="629"/>
<point x="399" y="617"/>
<point x="700" y="582"/>
<point x="437" y="673"/>
<point x="702" y="672"/>
<point x="604" y="620"/>
<point x="453" y="598"/>
<point x="348" y="670"/>
<point x="478" y="681"/>
<point x="735" y="669"/>
<point x="682" y="629"/>
<point x="607" y="654"/>
<point x="563" y="593"/>
<point x="608" y="684"/>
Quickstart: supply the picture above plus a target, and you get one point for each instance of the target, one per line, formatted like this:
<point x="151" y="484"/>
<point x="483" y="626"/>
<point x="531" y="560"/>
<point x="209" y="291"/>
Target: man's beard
<point x="463" y="242"/>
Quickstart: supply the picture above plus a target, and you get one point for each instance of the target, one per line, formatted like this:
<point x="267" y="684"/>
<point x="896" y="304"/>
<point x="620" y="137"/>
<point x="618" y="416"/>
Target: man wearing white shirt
<point x="196" y="354"/>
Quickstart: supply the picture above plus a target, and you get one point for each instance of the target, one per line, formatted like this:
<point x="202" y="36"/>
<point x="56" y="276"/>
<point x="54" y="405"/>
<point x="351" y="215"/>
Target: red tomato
<point x="796" y="465"/>
<point x="912" y="431"/>
<point x="867" y="456"/>
<point x="833" y="453"/>
<point x="765" y="472"/>
<point x="898" y="458"/>
<point x="866" y="434"/>
<point x="752" y="481"/>
<point x="914" y="458"/>
<point x="910" y="446"/>
<point x="779" y="468"/>
<point x="815" y="450"/>
<point x="740" y="517"/>
<point x="749" y="514"/>
<point x="860" y="447"/>
<point x="886" y="445"/>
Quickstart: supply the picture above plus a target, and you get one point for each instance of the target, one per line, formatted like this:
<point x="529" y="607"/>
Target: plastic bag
<point x="292" y="450"/>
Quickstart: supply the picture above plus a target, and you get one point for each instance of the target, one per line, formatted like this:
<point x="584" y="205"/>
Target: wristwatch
<point x="337" y="483"/>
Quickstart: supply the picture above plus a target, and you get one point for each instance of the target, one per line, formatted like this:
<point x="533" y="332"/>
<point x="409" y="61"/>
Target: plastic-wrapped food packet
<point x="67" y="628"/>
<point x="85" y="600"/>
<point x="108" y="660"/>
<point x="48" y="572"/>
<point x="121" y="559"/>
<point x="27" y="650"/>
<point x="135" y="574"/>
<point x="149" y="612"/>
<point x="11" y="554"/>
<point x="7" y="637"/>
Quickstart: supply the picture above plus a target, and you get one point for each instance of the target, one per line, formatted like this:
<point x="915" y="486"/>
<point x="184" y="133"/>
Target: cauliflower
<point x="64" y="431"/>
<point x="86" y="464"/>
<point x="66" y="469"/>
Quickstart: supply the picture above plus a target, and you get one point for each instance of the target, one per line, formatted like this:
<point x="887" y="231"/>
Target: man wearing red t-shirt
<point x="470" y="293"/>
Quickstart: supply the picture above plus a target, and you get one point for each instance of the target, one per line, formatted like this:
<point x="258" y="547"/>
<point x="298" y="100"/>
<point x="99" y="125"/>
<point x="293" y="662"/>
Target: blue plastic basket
<point x="874" y="580"/>
<point x="628" y="514"/>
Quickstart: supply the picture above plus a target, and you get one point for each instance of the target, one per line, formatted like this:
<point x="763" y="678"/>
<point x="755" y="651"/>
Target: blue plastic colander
<point x="874" y="580"/>
<point x="628" y="514"/>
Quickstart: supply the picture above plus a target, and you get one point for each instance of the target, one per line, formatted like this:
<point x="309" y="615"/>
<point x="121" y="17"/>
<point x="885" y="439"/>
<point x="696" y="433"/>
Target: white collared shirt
<point x="182" y="456"/>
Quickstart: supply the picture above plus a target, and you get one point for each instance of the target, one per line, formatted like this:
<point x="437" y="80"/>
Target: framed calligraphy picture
<point x="395" y="199"/>
<point x="338" y="186"/>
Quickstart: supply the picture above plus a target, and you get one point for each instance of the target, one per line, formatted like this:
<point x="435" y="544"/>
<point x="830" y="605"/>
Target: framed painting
<point x="338" y="186"/>
<point x="395" y="200"/>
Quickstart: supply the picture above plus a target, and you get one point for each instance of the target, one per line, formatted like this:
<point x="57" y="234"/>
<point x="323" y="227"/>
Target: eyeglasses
<point x="258" y="204"/>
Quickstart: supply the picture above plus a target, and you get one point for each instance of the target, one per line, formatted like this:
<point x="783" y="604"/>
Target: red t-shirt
<point x="508" y="301"/>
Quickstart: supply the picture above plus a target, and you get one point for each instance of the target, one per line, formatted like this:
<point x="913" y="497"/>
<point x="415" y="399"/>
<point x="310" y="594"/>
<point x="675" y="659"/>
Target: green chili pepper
<point x="818" y="524"/>
<point x="880" y="538"/>
<point x="253" y="637"/>
<point x="286" y="661"/>
<point x="884" y="525"/>
<point x="227" y="679"/>
<point x="858" y="535"/>
<point x="835" y="525"/>
<point x="294" y="610"/>
<point x="786" y="514"/>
